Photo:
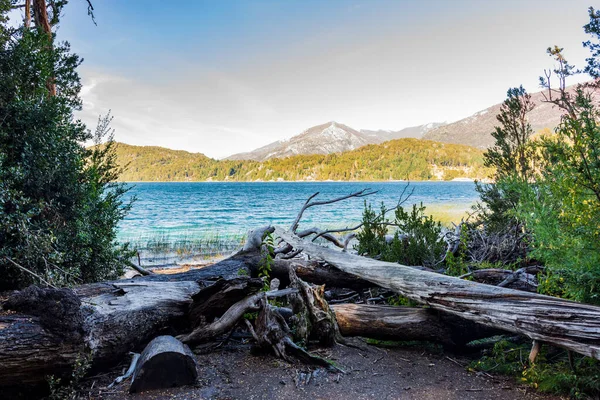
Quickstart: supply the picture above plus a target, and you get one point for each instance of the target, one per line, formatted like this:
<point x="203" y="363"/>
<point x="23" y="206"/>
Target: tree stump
<point x="164" y="363"/>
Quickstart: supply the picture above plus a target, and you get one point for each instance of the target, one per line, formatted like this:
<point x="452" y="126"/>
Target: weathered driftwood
<point x="313" y="319"/>
<point x="46" y="330"/>
<point x="390" y="323"/>
<point x="134" y="360"/>
<point x="567" y="324"/>
<point x="406" y="323"/>
<point x="164" y="363"/>
<point x="116" y="320"/>
<point x="309" y="313"/>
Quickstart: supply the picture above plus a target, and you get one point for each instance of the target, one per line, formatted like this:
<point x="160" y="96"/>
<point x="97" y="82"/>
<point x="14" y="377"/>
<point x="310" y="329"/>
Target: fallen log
<point x="406" y="323"/>
<point x="522" y="279"/>
<point x="44" y="331"/>
<point x="114" y="322"/>
<point x="573" y="326"/>
<point x="390" y="323"/>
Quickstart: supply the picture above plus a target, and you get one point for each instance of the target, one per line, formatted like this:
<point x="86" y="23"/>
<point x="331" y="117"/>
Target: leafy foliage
<point x="457" y="263"/>
<point x="421" y="242"/>
<point x="558" y="202"/>
<point x="60" y="390"/>
<point x="266" y="262"/>
<point x="58" y="205"/>
<point x="511" y="154"/>
<point x="371" y="238"/>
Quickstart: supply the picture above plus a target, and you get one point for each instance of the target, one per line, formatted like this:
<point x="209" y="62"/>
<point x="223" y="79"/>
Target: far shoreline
<point x="468" y="180"/>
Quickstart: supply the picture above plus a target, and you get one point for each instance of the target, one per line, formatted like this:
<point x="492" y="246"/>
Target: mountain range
<point x="328" y="138"/>
<point x="476" y="130"/>
<point x="334" y="137"/>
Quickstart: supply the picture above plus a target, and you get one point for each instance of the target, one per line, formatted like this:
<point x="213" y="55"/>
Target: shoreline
<point x="459" y="180"/>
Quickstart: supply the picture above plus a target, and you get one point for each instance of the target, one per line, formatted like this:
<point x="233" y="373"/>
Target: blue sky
<point x="219" y="77"/>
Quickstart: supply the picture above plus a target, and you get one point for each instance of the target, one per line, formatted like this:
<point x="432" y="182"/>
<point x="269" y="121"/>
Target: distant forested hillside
<point x="410" y="159"/>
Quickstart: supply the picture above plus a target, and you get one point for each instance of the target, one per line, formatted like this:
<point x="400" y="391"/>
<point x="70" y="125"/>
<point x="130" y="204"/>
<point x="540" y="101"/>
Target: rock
<point x="164" y="363"/>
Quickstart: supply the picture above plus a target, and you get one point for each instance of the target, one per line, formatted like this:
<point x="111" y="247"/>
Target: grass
<point x="187" y="244"/>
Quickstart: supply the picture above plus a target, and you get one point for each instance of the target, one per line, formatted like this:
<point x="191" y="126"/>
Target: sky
<point x="221" y="77"/>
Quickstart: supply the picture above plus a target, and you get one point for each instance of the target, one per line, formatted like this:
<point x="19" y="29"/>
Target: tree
<point x="562" y="207"/>
<point x="512" y="158"/>
<point x="511" y="154"/>
<point x="58" y="206"/>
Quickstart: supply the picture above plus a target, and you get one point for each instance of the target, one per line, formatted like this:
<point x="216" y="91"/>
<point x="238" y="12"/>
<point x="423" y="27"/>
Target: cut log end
<point x="164" y="363"/>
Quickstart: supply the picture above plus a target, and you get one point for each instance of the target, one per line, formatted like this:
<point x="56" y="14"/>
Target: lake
<point x="212" y="217"/>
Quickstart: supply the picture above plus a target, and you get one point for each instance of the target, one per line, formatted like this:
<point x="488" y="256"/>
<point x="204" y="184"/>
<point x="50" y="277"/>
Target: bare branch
<point x="29" y="272"/>
<point x="337" y="231"/>
<point x="308" y="204"/>
<point x="292" y="254"/>
<point x="139" y="269"/>
<point x="90" y="12"/>
<point x="134" y="361"/>
<point x="321" y="233"/>
<point x="285" y="249"/>
<point x="343" y="242"/>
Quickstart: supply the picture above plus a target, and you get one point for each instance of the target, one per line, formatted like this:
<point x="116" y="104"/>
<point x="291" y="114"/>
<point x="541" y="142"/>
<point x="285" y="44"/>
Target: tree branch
<point x="308" y="203"/>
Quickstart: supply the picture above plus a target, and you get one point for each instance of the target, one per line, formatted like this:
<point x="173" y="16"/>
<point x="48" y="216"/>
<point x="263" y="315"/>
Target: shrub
<point x="416" y="241"/>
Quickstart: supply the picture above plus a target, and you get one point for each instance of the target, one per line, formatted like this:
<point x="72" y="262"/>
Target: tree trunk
<point x="567" y="324"/>
<point x="318" y="273"/>
<point x="42" y="22"/>
<point x="27" y="13"/>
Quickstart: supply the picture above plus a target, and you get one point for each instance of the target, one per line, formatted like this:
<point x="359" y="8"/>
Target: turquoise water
<point x="207" y="212"/>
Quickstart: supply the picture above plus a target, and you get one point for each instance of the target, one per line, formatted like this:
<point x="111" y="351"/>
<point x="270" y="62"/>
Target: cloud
<point x="210" y="115"/>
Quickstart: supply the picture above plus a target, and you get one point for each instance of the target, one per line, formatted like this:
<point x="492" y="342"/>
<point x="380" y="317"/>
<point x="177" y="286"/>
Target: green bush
<point x="371" y="238"/>
<point x="422" y="243"/>
<point x="416" y="241"/>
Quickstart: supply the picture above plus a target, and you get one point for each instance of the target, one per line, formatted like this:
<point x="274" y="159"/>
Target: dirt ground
<point x="232" y="372"/>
